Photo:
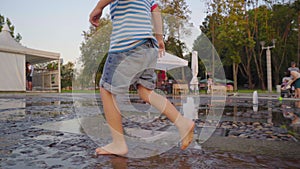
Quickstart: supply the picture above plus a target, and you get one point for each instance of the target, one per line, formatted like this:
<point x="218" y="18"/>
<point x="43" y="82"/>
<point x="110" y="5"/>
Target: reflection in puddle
<point x="12" y="109"/>
<point x="19" y="108"/>
<point x="269" y="116"/>
<point x="292" y="116"/>
<point x="239" y="119"/>
<point x="190" y="108"/>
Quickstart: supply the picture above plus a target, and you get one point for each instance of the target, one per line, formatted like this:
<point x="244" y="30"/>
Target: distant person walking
<point x="29" y="74"/>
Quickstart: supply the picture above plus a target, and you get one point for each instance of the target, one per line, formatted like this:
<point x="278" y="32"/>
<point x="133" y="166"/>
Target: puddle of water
<point x="278" y="114"/>
<point x="70" y="126"/>
<point x="12" y="109"/>
<point x="142" y="143"/>
<point x="271" y="113"/>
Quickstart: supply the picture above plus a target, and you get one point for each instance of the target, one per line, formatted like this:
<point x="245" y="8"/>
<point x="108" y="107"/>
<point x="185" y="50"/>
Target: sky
<point x="57" y="25"/>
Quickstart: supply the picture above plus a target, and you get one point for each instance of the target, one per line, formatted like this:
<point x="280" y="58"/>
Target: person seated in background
<point x="293" y="68"/>
<point x="286" y="79"/>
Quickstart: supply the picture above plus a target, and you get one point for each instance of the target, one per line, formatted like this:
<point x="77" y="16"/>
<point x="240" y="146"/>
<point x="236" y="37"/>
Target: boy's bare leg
<point x="185" y="126"/>
<point x="114" y="120"/>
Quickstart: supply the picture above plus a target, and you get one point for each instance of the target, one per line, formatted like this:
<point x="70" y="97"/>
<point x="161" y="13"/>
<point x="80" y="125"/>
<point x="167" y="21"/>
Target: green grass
<point x="201" y="91"/>
<point x="80" y="91"/>
<point x="251" y="91"/>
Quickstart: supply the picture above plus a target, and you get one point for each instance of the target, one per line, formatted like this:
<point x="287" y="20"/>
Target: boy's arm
<point x="97" y="12"/>
<point x="158" y="30"/>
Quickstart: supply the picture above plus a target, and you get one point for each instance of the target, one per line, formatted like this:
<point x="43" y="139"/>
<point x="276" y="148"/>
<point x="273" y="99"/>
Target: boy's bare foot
<point x="188" y="138"/>
<point x="112" y="149"/>
<point x="186" y="131"/>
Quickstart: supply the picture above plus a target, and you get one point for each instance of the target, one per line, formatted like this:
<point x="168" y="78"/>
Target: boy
<point x="131" y="60"/>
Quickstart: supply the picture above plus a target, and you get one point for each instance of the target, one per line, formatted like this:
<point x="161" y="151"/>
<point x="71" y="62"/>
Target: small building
<point x="13" y="57"/>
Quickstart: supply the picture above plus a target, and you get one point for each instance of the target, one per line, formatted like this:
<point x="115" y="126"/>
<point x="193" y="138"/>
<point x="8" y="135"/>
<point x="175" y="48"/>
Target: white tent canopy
<point x="169" y="61"/>
<point x="12" y="61"/>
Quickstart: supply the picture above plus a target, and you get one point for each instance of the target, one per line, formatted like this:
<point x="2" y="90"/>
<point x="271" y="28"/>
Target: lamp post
<point x="269" y="67"/>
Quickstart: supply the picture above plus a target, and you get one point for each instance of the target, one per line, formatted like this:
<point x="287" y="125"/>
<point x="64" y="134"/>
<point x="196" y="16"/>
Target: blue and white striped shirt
<point x="131" y="24"/>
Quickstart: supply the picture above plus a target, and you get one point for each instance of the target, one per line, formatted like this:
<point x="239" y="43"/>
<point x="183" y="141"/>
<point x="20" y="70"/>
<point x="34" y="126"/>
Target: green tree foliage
<point x="94" y="49"/>
<point x="100" y="70"/>
<point x="282" y="21"/>
<point x="175" y="46"/>
<point x="176" y="15"/>
<point x="17" y="37"/>
<point x="265" y="24"/>
<point x="52" y="65"/>
<point x="176" y="19"/>
<point x="225" y="26"/>
<point x="204" y="49"/>
<point x="67" y="71"/>
<point x="236" y="29"/>
<point x="233" y="35"/>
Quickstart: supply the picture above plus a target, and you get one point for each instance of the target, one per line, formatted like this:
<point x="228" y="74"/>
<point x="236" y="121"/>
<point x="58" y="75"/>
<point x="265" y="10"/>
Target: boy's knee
<point x="144" y="94"/>
<point x="103" y="91"/>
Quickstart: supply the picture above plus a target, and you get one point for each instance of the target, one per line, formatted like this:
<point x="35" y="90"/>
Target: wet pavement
<point x="40" y="131"/>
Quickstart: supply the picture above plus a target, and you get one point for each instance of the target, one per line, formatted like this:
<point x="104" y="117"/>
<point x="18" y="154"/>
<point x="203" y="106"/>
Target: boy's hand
<point x="97" y="12"/>
<point x="161" y="45"/>
<point x="161" y="48"/>
<point x="95" y="16"/>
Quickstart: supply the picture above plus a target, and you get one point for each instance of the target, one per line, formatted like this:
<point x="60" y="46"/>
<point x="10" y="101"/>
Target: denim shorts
<point x="134" y="67"/>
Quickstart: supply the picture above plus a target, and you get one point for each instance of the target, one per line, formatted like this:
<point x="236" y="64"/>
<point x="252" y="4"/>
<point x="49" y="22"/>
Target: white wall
<point x="12" y="72"/>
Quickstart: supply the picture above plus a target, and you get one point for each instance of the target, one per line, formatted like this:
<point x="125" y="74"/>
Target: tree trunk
<point x="245" y="69"/>
<point x="257" y="61"/>
<point x="235" y="67"/>
<point x="249" y="76"/>
<point x="259" y="71"/>
<point x="277" y="61"/>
